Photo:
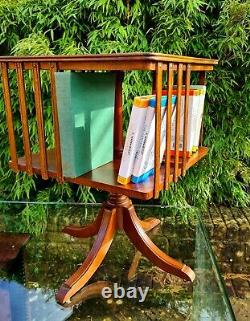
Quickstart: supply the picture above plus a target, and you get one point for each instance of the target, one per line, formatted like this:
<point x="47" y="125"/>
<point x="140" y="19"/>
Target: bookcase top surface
<point x="128" y="57"/>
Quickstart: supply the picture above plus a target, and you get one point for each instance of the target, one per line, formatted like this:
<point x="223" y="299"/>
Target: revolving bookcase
<point x="118" y="211"/>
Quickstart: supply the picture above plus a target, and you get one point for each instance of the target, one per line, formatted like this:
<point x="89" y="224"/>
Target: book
<point x="144" y="163"/>
<point x="133" y="138"/>
<point x="199" y="115"/>
<point x="193" y="111"/>
<point x="86" y="119"/>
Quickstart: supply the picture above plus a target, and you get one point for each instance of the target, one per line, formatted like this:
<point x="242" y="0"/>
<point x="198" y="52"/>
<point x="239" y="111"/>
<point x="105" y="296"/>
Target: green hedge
<point x="216" y="29"/>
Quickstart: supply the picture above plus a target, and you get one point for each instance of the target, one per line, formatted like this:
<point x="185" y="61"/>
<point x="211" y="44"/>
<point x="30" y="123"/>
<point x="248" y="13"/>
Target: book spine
<point x="143" y="148"/>
<point x="193" y="94"/>
<point x="193" y="107"/>
<point x="133" y="138"/>
<point x="192" y="115"/>
<point x="144" y="166"/>
<point x="148" y="168"/>
<point x="200" y="110"/>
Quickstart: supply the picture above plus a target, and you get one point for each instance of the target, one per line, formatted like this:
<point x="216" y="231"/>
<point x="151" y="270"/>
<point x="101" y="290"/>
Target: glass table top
<point x="28" y="286"/>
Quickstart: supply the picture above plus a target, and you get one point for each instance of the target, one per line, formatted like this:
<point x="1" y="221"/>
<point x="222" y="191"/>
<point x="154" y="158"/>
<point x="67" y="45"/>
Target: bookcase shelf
<point x="105" y="177"/>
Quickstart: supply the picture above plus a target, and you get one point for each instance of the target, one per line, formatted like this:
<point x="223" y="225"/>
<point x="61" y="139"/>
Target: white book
<point x="143" y="145"/>
<point x="193" y="108"/>
<point x="144" y="163"/>
<point x="199" y="115"/>
<point x="133" y="138"/>
<point x="149" y="164"/>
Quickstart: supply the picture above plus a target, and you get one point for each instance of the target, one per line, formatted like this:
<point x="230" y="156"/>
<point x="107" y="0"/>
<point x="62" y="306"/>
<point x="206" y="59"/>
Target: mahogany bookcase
<point x="118" y="211"/>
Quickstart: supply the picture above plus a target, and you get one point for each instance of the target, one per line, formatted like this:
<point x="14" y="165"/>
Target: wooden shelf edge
<point x="105" y="177"/>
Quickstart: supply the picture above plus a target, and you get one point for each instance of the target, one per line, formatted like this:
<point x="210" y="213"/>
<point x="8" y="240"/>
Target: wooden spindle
<point x="9" y="116"/>
<point x="177" y="122"/>
<point x="202" y="78"/>
<point x="153" y="83"/>
<point x="202" y="81"/>
<point x="40" y="121"/>
<point x="118" y="126"/>
<point x="24" y="118"/>
<point x="58" y="157"/>
<point x="201" y="134"/>
<point x="185" y="125"/>
<point x="157" y="129"/>
<point x="168" y="125"/>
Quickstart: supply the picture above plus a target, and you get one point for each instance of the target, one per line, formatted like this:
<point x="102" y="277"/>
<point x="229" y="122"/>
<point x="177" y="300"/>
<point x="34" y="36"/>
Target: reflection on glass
<point x="27" y="292"/>
<point x="209" y="298"/>
<point x="18" y="303"/>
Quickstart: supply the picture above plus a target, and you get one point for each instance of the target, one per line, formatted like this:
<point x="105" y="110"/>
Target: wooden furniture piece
<point x="117" y="212"/>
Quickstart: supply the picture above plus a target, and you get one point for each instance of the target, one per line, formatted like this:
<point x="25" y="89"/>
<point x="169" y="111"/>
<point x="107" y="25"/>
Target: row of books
<point x="137" y="162"/>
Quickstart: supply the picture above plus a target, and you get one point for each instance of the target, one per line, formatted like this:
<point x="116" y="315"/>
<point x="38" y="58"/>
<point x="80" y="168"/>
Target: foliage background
<point x="209" y="28"/>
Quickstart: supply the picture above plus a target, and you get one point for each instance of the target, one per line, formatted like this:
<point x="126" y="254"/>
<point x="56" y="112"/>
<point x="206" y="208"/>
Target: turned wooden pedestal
<point x="117" y="213"/>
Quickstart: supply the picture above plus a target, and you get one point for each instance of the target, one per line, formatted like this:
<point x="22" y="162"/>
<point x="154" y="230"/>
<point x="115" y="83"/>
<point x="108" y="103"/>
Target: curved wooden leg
<point x="149" y="223"/>
<point x="132" y="272"/>
<point x="93" y="259"/>
<point x="142" y="242"/>
<point x="93" y="290"/>
<point x="85" y="231"/>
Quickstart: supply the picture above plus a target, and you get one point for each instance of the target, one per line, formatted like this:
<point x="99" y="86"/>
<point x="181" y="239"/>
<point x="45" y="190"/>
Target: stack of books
<point x="137" y="162"/>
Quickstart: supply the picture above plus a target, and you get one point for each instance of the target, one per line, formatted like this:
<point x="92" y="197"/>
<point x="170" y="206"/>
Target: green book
<point x="86" y="120"/>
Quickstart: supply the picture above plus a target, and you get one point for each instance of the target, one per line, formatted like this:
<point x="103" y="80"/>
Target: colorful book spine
<point x="144" y="164"/>
<point x="133" y="138"/>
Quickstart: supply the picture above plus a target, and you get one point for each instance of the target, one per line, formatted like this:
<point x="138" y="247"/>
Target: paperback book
<point x="195" y="112"/>
<point x="144" y="162"/>
<point x="133" y="138"/>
